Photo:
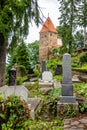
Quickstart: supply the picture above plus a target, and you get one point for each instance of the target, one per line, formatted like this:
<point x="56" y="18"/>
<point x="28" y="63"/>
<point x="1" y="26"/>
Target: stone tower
<point x="48" y="40"/>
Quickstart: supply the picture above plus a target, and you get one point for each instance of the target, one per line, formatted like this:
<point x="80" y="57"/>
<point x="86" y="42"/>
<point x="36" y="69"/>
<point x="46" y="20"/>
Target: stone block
<point x="67" y="99"/>
<point x="64" y="109"/>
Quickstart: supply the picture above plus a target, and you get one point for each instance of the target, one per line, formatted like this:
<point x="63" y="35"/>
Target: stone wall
<point x="48" y="41"/>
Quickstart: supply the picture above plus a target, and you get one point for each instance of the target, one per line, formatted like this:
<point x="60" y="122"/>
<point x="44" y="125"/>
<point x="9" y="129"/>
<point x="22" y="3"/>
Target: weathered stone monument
<point x="67" y="87"/>
<point x="18" y="90"/>
<point x="47" y="76"/>
<point x="67" y="99"/>
<point x="44" y="66"/>
<point x="12" y="76"/>
<point x="46" y="83"/>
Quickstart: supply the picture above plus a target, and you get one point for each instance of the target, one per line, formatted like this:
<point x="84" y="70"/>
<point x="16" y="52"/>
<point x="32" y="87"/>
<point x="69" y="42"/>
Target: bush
<point x="51" y="64"/>
<point x="13" y="113"/>
<point x="20" y="80"/>
<point x="37" y="73"/>
<point x="83" y="57"/>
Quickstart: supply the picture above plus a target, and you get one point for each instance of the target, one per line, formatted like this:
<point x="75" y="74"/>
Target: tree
<point x="79" y="39"/>
<point x="64" y="32"/>
<point x="23" y="57"/>
<point x="33" y="53"/>
<point x="68" y="9"/>
<point x="82" y="17"/>
<point x="20" y="56"/>
<point x="15" y="17"/>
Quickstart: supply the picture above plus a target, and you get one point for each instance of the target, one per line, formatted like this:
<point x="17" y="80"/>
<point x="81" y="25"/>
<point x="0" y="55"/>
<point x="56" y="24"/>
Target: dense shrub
<point x="83" y="57"/>
<point x="20" y="80"/>
<point x="13" y="112"/>
<point x="37" y="73"/>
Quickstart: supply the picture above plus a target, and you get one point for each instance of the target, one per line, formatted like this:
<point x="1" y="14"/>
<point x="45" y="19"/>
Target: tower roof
<point x="48" y="26"/>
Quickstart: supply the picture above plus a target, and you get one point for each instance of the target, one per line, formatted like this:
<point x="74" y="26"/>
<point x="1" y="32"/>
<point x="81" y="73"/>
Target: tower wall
<point x="47" y="42"/>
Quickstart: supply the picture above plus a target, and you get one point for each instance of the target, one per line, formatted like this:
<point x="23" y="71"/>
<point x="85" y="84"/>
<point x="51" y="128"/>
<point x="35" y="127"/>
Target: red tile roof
<point x="48" y="26"/>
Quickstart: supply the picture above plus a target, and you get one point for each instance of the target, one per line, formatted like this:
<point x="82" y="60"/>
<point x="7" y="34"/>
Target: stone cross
<point x="67" y="87"/>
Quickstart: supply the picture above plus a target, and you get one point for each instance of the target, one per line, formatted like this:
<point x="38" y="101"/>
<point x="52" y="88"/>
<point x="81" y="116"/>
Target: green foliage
<point x="64" y="31"/>
<point x="15" y="16"/>
<point x="71" y="111"/>
<point x="43" y="125"/>
<point x="33" y="89"/>
<point x="13" y="113"/>
<point x="55" y="93"/>
<point x="79" y="39"/>
<point x="75" y="58"/>
<point x="58" y="78"/>
<point x="51" y="64"/>
<point x="83" y="108"/>
<point x="20" y="80"/>
<point x="37" y="73"/>
<point x="53" y="99"/>
<point x="33" y="53"/>
<point x="83" y="57"/>
<point x="15" y="19"/>
<point x="55" y="51"/>
<point x="81" y="89"/>
<point x="22" y="70"/>
<point x="23" y="56"/>
<point x="19" y="56"/>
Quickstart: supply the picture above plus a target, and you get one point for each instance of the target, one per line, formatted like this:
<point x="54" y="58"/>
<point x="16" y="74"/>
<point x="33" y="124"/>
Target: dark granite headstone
<point x="43" y="66"/>
<point x="58" y="70"/>
<point x="12" y="77"/>
<point x="67" y="87"/>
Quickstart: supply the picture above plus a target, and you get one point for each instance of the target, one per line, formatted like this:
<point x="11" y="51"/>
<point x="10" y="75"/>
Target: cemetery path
<point x="79" y="123"/>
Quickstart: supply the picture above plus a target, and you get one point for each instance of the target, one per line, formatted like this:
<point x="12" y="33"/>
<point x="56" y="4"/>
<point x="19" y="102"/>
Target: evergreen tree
<point x="33" y="53"/>
<point x="82" y="17"/>
<point x="68" y="9"/>
<point x="15" y="16"/>
<point x="23" y="56"/>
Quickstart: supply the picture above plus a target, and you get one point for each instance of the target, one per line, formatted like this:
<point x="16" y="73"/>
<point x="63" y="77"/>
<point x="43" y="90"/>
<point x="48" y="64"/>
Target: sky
<point x="49" y="8"/>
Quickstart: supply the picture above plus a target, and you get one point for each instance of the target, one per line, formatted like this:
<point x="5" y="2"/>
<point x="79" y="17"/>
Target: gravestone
<point x="67" y="100"/>
<point x="12" y="77"/>
<point x="67" y="87"/>
<point x="58" y="70"/>
<point x="44" y="66"/>
<point x="47" y="76"/>
<point x="46" y="83"/>
<point x="18" y="91"/>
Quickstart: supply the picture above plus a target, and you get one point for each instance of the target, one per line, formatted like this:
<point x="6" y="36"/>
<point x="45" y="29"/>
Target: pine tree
<point x="82" y="17"/>
<point x="68" y="9"/>
<point x="15" y="16"/>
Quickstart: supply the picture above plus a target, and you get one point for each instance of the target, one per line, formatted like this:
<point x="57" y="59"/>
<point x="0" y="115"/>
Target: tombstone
<point x="46" y="83"/>
<point x="12" y="77"/>
<point x="67" y="100"/>
<point x="67" y="87"/>
<point x="47" y="76"/>
<point x="58" y="70"/>
<point x="20" y="91"/>
<point x="43" y="66"/>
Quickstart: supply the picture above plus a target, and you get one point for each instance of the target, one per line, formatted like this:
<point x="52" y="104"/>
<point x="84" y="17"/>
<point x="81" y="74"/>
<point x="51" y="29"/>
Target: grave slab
<point x="46" y="83"/>
<point x="18" y="91"/>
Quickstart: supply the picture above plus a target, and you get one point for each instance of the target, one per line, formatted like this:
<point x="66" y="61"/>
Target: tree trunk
<point x="84" y="36"/>
<point x="2" y="59"/>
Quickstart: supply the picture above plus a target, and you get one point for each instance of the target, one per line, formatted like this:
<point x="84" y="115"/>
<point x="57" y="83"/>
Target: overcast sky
<point x="48" y="7"/>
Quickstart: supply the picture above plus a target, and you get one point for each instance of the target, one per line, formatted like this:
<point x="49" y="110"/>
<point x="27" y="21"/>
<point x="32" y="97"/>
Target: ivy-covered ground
<point x="14" y="114"/>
